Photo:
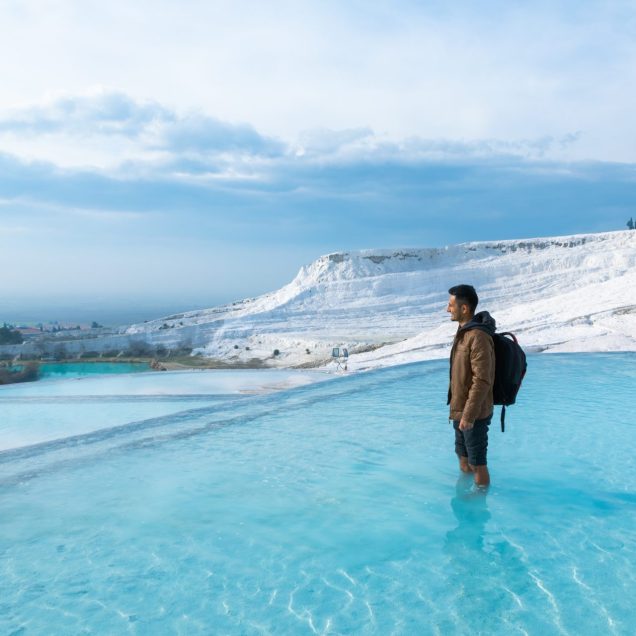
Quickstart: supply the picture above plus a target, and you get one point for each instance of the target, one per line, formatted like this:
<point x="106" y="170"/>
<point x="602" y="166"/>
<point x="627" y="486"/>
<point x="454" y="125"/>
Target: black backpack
<point x="510" y="368"/>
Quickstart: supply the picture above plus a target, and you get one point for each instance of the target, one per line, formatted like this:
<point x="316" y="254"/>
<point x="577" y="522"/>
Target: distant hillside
<point x="560" y="294"/>
<point x="576" y="292"/>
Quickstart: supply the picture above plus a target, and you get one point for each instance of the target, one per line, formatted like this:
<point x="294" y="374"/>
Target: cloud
<point x="148" y="124"/>
<point x="538" y="148"/>
<point x="144" y="138"/>
<point x="99" y="112"/>
<point x="194" y="176"/>
<point x="368" y="198"/>
<point x="322" y="141"/>
<point x="203" y="134"/>
<point x="459" y="71"/>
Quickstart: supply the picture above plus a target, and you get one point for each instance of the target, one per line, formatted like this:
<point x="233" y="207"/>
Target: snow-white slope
<point x="575" y="293"/>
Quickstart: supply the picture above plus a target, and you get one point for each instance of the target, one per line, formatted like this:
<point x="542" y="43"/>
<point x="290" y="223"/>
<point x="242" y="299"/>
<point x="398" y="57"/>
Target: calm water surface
<point x="332" y="508"/>
<point x="83" y="369"/>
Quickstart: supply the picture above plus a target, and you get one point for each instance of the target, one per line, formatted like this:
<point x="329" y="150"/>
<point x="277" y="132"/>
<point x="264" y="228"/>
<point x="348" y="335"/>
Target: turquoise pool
<point x="83" y="369"/>
<point x="334" y="508"/>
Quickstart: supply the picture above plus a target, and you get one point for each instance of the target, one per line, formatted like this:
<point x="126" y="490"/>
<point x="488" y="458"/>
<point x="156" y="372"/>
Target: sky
<point x="163" y="156"/>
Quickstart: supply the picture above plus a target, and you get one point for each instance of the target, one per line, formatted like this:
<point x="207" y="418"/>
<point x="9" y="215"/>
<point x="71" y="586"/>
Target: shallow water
<point x="57" y="409"/>
<point x="332" y="508"/>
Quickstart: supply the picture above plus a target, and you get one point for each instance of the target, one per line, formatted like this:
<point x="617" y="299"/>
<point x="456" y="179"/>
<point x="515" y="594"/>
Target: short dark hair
<point x="466" y="295"/>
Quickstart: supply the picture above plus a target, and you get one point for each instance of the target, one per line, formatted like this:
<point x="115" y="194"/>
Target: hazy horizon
<point x="107" y="312"/>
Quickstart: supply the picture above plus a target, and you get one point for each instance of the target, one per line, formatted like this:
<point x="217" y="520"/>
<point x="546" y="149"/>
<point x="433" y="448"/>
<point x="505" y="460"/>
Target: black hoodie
<point x="483" y="320"/>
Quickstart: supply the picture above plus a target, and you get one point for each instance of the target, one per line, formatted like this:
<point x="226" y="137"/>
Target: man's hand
<point x="465" y="425"/>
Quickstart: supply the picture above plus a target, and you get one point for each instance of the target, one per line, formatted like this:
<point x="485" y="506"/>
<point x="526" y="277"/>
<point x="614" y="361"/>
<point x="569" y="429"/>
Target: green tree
<point x="10" y="336"/>
<point x="630" y="224"/>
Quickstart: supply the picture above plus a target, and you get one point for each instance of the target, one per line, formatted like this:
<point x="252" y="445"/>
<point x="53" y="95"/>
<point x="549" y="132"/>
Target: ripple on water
<point x="334" y="508"/>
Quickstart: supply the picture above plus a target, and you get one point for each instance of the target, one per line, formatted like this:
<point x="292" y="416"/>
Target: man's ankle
<point x="482" y="476"/>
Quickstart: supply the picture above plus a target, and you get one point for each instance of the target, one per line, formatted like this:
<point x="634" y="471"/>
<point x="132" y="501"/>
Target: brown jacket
<point x="472" y="375"/>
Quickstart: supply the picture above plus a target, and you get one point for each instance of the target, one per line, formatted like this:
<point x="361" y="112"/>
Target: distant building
<point x="29" y="331"/>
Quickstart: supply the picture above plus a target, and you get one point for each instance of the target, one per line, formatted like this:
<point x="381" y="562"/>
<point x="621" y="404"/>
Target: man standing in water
<point x="472" y="375"/>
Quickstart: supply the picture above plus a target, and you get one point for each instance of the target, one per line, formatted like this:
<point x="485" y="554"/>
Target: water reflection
<point x="486" y="571"/>
<point x="471" y="571"/>
<point x="470" y="507"/>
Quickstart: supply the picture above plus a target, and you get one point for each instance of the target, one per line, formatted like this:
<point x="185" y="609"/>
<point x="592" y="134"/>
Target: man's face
<point x="455" y="310"/>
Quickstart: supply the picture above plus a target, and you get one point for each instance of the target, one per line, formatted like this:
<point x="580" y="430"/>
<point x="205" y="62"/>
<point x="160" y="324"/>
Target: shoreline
<point x="181" y="363"/>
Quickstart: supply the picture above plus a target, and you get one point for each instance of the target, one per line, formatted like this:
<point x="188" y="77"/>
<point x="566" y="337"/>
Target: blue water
<point x="333" y="508"/>
<point x="82" y="369"/>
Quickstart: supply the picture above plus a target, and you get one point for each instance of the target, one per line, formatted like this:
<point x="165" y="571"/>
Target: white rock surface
<point x="573" y="293"/>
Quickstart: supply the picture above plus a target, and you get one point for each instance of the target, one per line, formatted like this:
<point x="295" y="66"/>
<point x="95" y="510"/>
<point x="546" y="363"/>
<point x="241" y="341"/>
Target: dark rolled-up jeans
<point x="473" y="443"/>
